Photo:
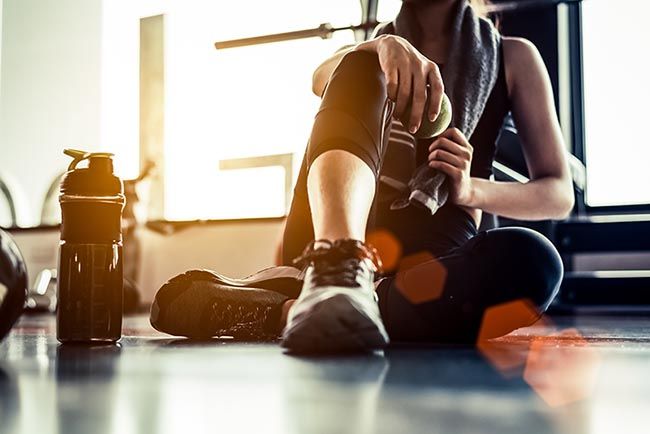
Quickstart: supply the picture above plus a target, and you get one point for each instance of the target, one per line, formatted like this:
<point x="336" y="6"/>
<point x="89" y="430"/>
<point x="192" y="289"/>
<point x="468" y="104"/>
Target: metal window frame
<point x="369" y="14"/>
<point x="285" y="161"/>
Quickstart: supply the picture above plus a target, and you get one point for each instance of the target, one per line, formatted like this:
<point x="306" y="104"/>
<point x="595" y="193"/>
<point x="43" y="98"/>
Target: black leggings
<point x="481" y="270"/>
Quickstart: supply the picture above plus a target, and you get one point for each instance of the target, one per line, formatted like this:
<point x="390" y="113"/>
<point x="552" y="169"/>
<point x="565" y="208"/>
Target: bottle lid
<point x="95" y="180"/>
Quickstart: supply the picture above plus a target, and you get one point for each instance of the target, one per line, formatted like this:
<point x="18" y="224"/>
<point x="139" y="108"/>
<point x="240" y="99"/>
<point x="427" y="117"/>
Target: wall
<point x="234" y="248"/>
<point x="50" y="91"/>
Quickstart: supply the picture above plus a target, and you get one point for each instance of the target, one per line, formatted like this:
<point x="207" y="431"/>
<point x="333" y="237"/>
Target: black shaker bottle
<point x="90" y="277"/>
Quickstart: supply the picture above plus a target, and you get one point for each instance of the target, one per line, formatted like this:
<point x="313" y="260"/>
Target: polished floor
<point x="565" y="375"/>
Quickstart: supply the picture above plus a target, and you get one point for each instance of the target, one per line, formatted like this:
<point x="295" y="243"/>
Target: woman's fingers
<point x="447" y="169"/>
<point x="419" y="95"/>
<point x="403" y="91"/>
<point x="448" y="157"/>
<point x="392" y="83"/>
<point x="451" y="146"/>
<point x="408" y="74"/>
<point x="436" y="89"/>
<point x="456" y="135"/>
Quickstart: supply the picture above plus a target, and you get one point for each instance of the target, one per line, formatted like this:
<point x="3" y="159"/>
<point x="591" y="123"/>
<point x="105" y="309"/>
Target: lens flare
<point x="388" y="247"/>
<point x="507" y="357"/>
<point x="421" y="278"/>
<point x="562" y="368"/>
<point x="501" y="319"/>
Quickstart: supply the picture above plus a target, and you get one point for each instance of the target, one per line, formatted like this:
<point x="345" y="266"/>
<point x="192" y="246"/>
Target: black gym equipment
<point x="13" y="283"/>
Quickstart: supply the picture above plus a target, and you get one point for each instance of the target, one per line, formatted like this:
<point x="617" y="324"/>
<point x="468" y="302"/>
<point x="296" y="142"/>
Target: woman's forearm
<point x="539" y="199"/>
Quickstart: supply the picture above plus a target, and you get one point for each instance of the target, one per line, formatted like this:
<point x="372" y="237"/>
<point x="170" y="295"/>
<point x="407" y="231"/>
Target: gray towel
<point x="469" y="75"/>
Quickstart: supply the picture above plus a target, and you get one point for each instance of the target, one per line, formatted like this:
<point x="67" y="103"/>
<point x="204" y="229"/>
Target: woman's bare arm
<point x="549" y="193"/>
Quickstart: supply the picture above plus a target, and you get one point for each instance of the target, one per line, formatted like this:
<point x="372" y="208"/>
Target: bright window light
<point x="220" y="104"/>
<point x="241" y="102"/>
<point x="387" y="10"/>
<point x="616" y="37"/>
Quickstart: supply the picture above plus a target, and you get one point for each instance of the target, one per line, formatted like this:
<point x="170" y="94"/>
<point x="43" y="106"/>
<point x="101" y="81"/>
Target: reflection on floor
<point x="566" y="375"/>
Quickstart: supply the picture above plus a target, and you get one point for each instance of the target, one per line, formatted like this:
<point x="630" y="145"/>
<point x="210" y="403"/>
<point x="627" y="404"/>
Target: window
<point x="615" y="38"/>
<point x="387" y="10"/>
<point x="242" y="102"/>
<point x="222" y="105"/>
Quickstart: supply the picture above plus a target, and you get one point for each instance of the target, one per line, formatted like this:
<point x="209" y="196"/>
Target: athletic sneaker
<point x="201" y="304"/>
<point x="337" y="309"/>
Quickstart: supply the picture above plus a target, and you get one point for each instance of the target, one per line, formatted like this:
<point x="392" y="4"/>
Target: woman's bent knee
<point x="353" y="111"/>
<point x="530" y="264"/>
<point x="359" y="64"/>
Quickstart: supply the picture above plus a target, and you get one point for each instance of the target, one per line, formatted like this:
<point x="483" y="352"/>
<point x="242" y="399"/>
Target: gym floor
<point x="564" y="375"/>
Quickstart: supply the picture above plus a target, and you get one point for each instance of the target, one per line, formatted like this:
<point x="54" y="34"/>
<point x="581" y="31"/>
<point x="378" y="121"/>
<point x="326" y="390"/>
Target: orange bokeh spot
<point x="420" y="278"/>
<point x="499" y="320"/>
<point x="388" y="247"/>
<point x="562" y="368"/>
<point x="506" y="357"/>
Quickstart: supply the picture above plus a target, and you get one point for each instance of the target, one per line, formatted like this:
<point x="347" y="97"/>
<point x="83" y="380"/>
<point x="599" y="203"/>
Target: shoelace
<point x="338" y="262"/>
<point x="343" y="273"/>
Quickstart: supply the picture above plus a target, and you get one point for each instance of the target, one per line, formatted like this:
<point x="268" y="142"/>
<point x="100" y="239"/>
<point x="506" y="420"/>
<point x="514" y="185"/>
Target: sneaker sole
<point x="334" y="325"/>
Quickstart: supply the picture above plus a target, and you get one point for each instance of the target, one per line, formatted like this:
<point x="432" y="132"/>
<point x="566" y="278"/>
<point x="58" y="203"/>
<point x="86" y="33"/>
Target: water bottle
<point x="90" y="285"/>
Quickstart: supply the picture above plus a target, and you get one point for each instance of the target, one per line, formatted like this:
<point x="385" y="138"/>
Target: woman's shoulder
<point x="516" y="50"/>
<point x="520" y="57"/>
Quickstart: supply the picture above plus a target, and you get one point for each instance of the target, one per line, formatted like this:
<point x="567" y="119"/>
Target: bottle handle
<point x="78" y="156"/>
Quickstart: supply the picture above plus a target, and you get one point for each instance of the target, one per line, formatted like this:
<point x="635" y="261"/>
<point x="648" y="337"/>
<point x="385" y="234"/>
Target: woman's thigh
<point x="444" y="299"/>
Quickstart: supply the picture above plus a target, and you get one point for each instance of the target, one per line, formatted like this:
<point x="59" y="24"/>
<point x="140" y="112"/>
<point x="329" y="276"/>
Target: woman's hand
<point x="451" y="153"/>
<point x="407" y="74"/>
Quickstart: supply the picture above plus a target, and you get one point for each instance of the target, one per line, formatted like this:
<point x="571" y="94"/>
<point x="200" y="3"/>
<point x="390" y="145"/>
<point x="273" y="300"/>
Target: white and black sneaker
<point x="337" y="310"/>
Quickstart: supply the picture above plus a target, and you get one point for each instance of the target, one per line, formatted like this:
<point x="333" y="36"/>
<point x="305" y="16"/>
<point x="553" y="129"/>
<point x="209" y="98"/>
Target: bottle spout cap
<point x="78" y="156"/>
